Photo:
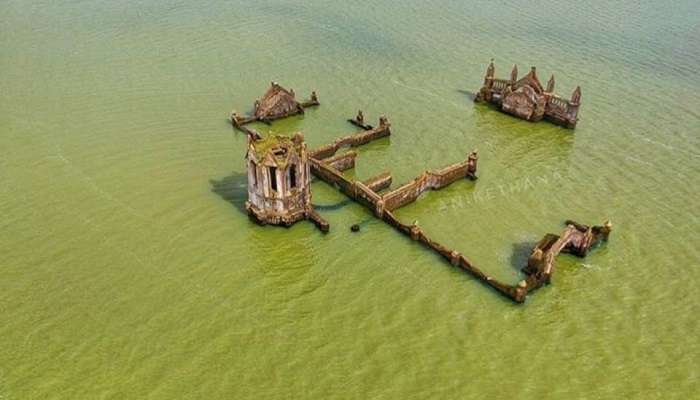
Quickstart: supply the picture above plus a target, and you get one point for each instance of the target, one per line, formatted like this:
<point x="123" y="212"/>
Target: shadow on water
<point x="521" y="252"/>
<point x="332" y="207"/>
<point x="470" y="95"/>
<point x="232" y="188"/>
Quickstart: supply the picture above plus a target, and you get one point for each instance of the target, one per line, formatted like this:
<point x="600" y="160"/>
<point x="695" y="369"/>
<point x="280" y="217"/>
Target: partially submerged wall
<point x="365" y="194"/>
<point x="379" y="182"/>
<point x="353" y="140"/>
<point x="576" y="239"/>
<point x="342" y="162"/>
<point x="428" y="180"/>
<point x="454" y="257"/>
<point x="354" y="189"/>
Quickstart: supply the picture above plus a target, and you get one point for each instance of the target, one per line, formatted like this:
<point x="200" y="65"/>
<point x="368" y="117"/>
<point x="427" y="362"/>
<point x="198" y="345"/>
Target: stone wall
<point x="379" y="182"/>
<point x="358" y="191"/>
<point x="342" y="162"/>
<point x="455" y="258"/>
<point x="353" y="140"/>
<point x="429" y="180"/>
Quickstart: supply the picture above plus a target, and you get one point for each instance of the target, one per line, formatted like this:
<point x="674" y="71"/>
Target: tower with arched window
<point x="279" y="190"/>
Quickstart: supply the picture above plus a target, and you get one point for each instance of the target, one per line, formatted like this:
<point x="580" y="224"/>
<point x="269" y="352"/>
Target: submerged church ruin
<point x="279" y="185"/>
<point x="528" y="99"/>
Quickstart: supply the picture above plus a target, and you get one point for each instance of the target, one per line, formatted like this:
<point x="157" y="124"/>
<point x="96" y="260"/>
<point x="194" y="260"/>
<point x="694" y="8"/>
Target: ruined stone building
<point x="526" y="98"/>
<point x="279" y="190"/>
<point x="280" y="167"/>
<point x="276" y="103"/>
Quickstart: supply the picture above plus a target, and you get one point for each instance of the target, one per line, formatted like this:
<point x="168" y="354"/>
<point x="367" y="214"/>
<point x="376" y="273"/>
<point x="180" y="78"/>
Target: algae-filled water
<point x="123" y="275"/>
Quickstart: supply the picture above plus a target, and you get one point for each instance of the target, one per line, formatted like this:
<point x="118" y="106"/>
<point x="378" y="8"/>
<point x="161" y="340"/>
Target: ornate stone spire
<point x="491" y="70"/>
<point x="550" y="85"/>
<point x="576" y="96"/>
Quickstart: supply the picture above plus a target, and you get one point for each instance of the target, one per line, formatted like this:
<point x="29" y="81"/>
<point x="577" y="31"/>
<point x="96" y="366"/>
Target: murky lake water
<point x="123" y="275"/>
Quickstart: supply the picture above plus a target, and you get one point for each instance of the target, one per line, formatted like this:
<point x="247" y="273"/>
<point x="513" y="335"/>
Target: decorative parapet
<point x="526" y="98"/>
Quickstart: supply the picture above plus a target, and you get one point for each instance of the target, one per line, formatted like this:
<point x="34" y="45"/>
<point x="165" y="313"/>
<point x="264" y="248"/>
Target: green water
<point x="124" y="276"/>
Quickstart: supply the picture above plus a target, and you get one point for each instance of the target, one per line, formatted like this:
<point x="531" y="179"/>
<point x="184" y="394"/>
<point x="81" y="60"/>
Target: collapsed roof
<point x="276" y="103"/>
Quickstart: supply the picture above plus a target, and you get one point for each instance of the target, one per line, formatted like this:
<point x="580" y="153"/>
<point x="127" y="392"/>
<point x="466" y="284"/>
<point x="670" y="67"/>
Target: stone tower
<point x="279" y="190"/>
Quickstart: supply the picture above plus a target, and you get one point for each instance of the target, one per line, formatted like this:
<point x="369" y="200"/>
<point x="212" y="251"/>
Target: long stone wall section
<point x="342" y="162"/>
<point x="429" y="180"/>
<point x="577" y="239"/>
<point x="353" y="140"/>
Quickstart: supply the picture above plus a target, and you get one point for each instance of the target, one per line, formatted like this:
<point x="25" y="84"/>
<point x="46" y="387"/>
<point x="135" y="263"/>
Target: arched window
<point x="292" y="176"/>
<point x="273" y="178"/>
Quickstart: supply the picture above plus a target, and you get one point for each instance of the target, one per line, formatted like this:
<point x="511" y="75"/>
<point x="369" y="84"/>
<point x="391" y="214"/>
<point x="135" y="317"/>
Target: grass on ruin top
<point x="273" y="141"/>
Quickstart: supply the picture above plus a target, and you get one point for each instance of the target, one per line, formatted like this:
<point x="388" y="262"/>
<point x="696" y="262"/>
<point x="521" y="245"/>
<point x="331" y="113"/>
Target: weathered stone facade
<point x="526" y="98"/>
<point x="279" y="190"/>
<point x="276" y="103"/>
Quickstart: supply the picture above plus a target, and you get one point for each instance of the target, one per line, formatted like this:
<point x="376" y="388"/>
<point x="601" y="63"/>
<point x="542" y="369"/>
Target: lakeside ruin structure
<point x="276" y="103"/>
<point x="577" y="239"/>
<point x="279" y="183"/>
<point x="528" y="99"/>
<point x="279" y="193"/>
